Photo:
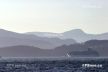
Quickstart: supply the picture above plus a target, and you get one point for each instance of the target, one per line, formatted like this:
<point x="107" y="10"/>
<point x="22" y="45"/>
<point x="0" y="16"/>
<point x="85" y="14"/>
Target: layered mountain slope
<point x="23" y="51"/>
<point x="76" y="34"/>
<point x="92" y="48"/>
<point x="28" y="51"/>
<point x="87" y="49"/>
<point x="8" y="38"/>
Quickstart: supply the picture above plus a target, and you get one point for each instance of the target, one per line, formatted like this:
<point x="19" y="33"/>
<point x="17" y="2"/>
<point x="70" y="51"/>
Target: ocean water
<point x="53" y="65"/>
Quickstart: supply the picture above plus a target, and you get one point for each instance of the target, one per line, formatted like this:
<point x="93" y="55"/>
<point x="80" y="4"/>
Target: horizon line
<point x="54" y="32"/>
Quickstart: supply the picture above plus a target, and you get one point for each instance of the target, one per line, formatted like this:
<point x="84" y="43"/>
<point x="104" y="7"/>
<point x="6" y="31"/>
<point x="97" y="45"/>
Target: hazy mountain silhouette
<point x="92" y="48"/>
<point x="23" y="51"/>
<point x="28" y="51"/>
<point x="76" y="34"/>
<point x="81" y="36"/>
<point x="16" y="44"/>
<point x="89" y="48"/>
<point x="8" y="38"/>
<point x="101" y="46"/>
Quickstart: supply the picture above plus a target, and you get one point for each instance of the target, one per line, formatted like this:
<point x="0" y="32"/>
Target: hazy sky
<point x="54" y="15"/>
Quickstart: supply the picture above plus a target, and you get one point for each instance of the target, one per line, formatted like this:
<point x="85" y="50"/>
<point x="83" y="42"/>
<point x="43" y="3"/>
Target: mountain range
<point x="74" y="43"/>
<point x="76" y="34"/>
<point x="8" y="38"/>
<point x="92" y="48"/>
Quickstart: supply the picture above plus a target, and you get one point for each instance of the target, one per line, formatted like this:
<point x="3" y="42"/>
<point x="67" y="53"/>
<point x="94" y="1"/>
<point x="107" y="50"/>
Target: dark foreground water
<point x="53" y="65"/>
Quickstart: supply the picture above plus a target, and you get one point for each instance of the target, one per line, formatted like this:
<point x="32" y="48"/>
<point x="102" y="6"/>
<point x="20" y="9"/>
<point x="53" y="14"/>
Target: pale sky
<point x="54" y="15"/>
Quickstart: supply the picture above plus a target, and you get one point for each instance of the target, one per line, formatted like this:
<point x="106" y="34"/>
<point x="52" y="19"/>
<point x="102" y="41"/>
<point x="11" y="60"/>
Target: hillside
<point x="76" y="34"/>
<point x="8" y="38"/>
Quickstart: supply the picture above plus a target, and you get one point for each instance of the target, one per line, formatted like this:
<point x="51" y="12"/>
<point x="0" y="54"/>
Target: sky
<point x="54" y="15"/>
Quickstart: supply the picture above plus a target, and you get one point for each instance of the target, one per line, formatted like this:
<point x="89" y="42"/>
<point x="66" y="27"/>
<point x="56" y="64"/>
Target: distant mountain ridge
<point x="8" y="38"/>
<point x="87" y="49"/>
<point x="30" y="45"/>
<point x="76" y="34"/>
<point x="91" y="48"/>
